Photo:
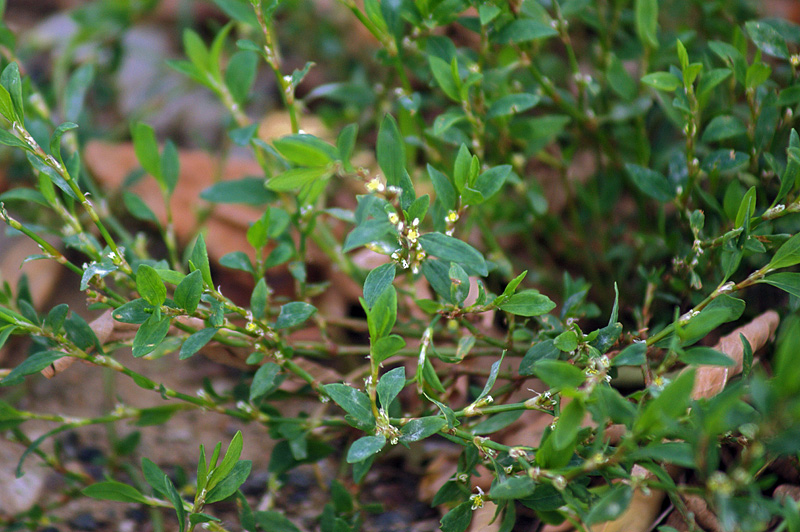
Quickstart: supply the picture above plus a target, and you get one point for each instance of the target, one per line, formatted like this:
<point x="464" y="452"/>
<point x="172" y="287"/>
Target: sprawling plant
<point x="634" y="160"/>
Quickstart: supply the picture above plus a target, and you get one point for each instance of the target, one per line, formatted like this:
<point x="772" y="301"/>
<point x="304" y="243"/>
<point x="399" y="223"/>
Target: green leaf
<point x="705" y="356"/>
<point x="528" y="303"/>
<point x="757" y="74"/>
<point x="365" y="447"/>
<point x="652" y="183"/>
<point x="493" y="371"/>
<point x="390" y="385"/>
<point x="6" y="331"/>
<point x="386" y="347"/>
<point x="240" y="74"/>
<point x="150" y="286"/>
<point x="454" y="250"/>
<point x="524" y="30"/>
<point x="620" y="80"/>
<point x="177" y="503"/>
<point x="443" y="74"/>
<point x="55" y="139"/>
<point x="646" y="12"/>
<point x="10" y="80"/>
<point x="136" y="311"/>
<point x="189" y="291"/>
<point x="154" y="476"/>
<point x="111" y="490"/>
<point x="457" y="519"/>
<point x="545" y="350"/>
<point x="391" y="151"/>
<point x="566" y="341"/>
<point x="274" y="522"/>
<point x="306" y="150"/>
<point x="633" y="355"/>
<point x="559" y="374"/>
<point x="723" y="127"/>
<point x="242" y="12"/>
<point x="671" y="403"/>
<point x="377" y="281"/>
<point x="445" y="193"/>
<point x="677" y="453"/>
<point x="383" y="314"/>
<point x="787" y="255"/>
<point x="99" y="269"/>
<point x="247" y="191"/>
<point x="237" y="260"/>
<point x="518" y="487"/>
<point x="496" y="422"/>
<point x="421" y="428"/>
<point x="232" y="455"/>
<point x="150" y="334"/>
<point x="138" y="208"/>
<point x="196" y="342"/>
<point x="200" y="260"/>
<point x="33" y="364"/>
<point x="230" y="483"/>
<point x="722" y="310"/>
<point x="512" y="104"/>
<point x="568" y="425"/>
<point x="491" y="181"/>
<point x="170" y="166"/>
<point x="767" y="38"/>
<point x="264" y="380"/>
<point x="611" y="505"/>
<point x="354" y="402"/>
<point x="788" y="282"/>
<point x="296" y="178"/>
<point x="663" y="81"/>
<point x="258" y="300"/>
<point x="146" y="148"/>
<point x="75" y="91"/>
<point x="346" y="142"/>
<point x="294" y="313"/>
<point x="747" y="208"/>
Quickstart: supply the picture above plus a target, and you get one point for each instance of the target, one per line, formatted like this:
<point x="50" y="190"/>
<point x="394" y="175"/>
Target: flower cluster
<point x="410" y="254"/>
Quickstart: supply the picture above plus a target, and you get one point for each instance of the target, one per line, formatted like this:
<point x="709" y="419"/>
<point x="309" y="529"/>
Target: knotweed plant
<point x="571" y="206"/>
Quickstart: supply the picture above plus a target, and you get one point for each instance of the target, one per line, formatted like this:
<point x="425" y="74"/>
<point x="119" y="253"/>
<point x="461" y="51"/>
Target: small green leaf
<point x="646" y="12"/>
<point x="296" y="178"/>
<point x="200" y="260"/>
<point x="354" y="402"/>
<point x="196" y="342"/>
<point x="136" y="311"/>
<point x="150" y="286"/>
<point x="652" y="183"/>
<point x="150" y="334"/>
<point x="545" y="350"/>
<point x="230" y="483"/>
<point x="620" y="80"/>
<point x="138" y="208"/>
<point x="559" y="374"/>
<point x="663" y="81"/>
<point x="240" y="74"/>
<point x="177" y="503"/>
<point x="189" y="291"/>
<point x="705" y="356"/>
<point x="75" y="91"/>
<point x="568" y="425"/>
<point x="787" y="255"/>
<point x="512" y="104"/>
<point x="528" y="303"/>
<point x="457" y="519"/>
<point x="229" y="461"/>
<point x="111" y="490"/>
<point x="723" y="127"/>
<point x="294" y="313"/>
<point x="611" y="505"/>
<point x="566" y="341"/>
<point x="383" y="314"/>
<point x="390" y="385"/>
<point x="442" y="73"/>
<point x="146" y="148"/>
<point x="55" y="139"/>
<point x="524" y="30"/>
<point x="391" y="151"/>
<point x="453" y="250"/>
<point x="274" y="522"/>
<point x="421" y="428"/>
<point x="237" y="260"/>
<point x="11" y="81"/>
<point x="518" y="487"/>
<point x="386" y="347"/>
<point x="767" y="38"/>
<point x="377" y="281"/>
<point x="306" y="150"/>
<point x="346" y="142"/>
<point x="33" y="364"/>
<point x="633" y="355"/>
<point x="258" y="300"/>
<point x="264" y="380"/>
<point x="365" y="447"/>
